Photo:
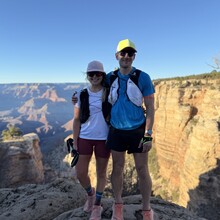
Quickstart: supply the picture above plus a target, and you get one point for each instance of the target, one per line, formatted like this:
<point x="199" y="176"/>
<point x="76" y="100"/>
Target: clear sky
<point x="53" y="40"/>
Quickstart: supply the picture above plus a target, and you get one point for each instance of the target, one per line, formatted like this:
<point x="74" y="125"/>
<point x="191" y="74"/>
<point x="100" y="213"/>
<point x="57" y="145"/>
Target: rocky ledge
<point x="63" y="199"/>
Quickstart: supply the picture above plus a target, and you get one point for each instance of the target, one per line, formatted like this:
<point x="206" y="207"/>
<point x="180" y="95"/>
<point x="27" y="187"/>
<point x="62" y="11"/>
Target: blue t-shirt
<point x="124" y="114"/>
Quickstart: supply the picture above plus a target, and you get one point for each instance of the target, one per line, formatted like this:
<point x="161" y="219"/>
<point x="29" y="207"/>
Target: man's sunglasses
<point x="129" y="52"/>
<point x="91" y="74"/>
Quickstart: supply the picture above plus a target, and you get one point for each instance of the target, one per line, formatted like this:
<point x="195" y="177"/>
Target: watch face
<point x="149" y="132"/>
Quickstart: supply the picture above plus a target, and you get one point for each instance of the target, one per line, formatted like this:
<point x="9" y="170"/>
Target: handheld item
<point x="73" y="151"/>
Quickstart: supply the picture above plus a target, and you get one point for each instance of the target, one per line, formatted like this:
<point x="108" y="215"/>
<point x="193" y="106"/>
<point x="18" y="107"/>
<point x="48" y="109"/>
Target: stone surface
<point x="40" y="202"/>
<point x="63" y="199"/>
<point x="21" y="161"/>
<point x="187" y="141"/>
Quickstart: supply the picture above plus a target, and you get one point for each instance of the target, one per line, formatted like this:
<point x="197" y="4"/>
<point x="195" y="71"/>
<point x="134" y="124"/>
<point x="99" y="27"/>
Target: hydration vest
<point x="84" y="106"/>
<point x="133" y="91"/>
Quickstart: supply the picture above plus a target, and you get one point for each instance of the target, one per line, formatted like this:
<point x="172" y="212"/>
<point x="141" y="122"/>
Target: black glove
<point x="144" y="140"/>
<point x="69" y="144"/>
<point x="74" y="152"/>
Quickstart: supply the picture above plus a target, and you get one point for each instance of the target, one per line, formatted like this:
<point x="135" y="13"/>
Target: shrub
<point x="11" y="133"/>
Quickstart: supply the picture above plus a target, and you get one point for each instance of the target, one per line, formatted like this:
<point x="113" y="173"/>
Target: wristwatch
<point x="148" y="132"/>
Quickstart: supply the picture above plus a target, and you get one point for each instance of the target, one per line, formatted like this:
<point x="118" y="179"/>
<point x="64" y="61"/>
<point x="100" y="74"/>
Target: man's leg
<point x="145" y="184"/>
<point x="118" y="160"/>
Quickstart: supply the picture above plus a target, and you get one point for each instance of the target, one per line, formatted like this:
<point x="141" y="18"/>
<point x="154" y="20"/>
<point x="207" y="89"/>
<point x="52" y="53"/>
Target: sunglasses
<point x="91" y="74"/>
<point x="129" y="52"/>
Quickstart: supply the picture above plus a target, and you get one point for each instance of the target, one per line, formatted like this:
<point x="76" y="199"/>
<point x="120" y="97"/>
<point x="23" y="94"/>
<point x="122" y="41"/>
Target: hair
<point x="105" y="88"/>
<point x="103" y="79"/>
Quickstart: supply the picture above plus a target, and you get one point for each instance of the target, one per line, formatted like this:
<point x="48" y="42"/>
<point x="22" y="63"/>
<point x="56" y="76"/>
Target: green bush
<point x="11" y="133"/>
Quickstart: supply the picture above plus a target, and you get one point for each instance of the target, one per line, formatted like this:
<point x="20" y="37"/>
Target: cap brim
<point x="131" y="48"/>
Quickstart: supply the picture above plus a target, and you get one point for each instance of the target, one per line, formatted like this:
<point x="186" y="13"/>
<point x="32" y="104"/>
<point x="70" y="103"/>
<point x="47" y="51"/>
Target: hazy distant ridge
<point x="43" y="108"/>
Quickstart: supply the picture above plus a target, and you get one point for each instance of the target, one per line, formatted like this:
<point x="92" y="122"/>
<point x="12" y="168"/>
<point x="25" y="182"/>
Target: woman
<point x="90" y="131"/>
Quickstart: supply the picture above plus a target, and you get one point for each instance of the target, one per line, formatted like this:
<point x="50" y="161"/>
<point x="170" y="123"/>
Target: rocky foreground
<point x="63" y="200"/>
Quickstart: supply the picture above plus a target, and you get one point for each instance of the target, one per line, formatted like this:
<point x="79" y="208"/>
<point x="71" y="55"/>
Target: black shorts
<point x="125" y="140"/>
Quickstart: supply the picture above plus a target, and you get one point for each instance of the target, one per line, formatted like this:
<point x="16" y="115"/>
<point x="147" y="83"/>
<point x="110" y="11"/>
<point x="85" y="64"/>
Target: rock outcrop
<point x="187" y="141"/>
<point x="187" y="151"/>
<point x="63" y="200"/>
<point x="21" y="161"/>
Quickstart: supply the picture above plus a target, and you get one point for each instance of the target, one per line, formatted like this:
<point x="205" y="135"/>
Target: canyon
<point x="185" y="163"/>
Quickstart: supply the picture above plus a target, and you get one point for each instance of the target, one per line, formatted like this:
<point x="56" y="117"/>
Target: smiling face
<point x="95" y="78"/>
<point x="125" y="58"/>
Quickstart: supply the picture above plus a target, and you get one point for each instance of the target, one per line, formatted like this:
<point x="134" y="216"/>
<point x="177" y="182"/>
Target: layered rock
<point x="187" y="140"/>
<point x="21" y="161"/>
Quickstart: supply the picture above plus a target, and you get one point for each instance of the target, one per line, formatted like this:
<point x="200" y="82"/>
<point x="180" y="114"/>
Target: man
<point x="129" y="125"/>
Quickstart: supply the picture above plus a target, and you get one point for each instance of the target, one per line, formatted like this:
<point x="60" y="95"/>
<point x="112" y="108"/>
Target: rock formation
<point x="63" y="199"/>
<point x="21" y="161"/>
<point x="187" y="141"/>
<point x="184" y="162"/>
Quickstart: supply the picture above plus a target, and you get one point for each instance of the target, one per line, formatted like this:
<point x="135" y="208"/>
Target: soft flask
<point x="74" y="152"/>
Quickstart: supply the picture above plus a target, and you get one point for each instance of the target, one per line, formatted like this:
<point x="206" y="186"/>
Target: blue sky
<point x="53" y="40"/>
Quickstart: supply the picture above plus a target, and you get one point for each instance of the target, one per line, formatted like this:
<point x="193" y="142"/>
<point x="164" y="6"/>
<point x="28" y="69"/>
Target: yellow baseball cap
<point x="124" y="44"/>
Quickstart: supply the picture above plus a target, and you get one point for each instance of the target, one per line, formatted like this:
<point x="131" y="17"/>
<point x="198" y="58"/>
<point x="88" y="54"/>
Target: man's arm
<point x="149" y="105"/>
<point x="74" y="98"/>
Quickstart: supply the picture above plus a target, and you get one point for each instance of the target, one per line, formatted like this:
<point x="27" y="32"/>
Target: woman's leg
<point x="101" y="170"/>
<point x="82" y="168"/>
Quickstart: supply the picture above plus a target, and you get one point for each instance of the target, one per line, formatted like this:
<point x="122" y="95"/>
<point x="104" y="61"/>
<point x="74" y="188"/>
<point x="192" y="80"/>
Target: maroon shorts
<point x="86" y="147"/>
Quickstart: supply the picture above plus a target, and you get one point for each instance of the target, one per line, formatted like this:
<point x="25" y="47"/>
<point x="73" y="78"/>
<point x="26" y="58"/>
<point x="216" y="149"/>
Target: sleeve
<point x="146" y="84"/>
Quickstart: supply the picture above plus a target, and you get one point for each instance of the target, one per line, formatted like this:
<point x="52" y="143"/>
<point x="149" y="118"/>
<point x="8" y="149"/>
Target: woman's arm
<point x="76" y="126"/>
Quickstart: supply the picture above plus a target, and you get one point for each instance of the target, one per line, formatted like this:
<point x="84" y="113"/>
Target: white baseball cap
<point x="95" y="66"/>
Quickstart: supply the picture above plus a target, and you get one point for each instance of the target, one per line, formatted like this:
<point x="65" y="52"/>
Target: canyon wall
<point x="187" y="141"/>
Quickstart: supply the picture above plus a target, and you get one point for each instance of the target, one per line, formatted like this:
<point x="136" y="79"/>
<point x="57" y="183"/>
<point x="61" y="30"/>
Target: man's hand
<point x="74" y="98"/>
<point x="145" y="144"/>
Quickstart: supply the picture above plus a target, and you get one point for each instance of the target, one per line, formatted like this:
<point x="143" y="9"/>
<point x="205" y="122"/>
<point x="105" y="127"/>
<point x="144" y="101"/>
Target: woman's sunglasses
<point x="129" y="52"/>
<point x="91" y="74"/>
